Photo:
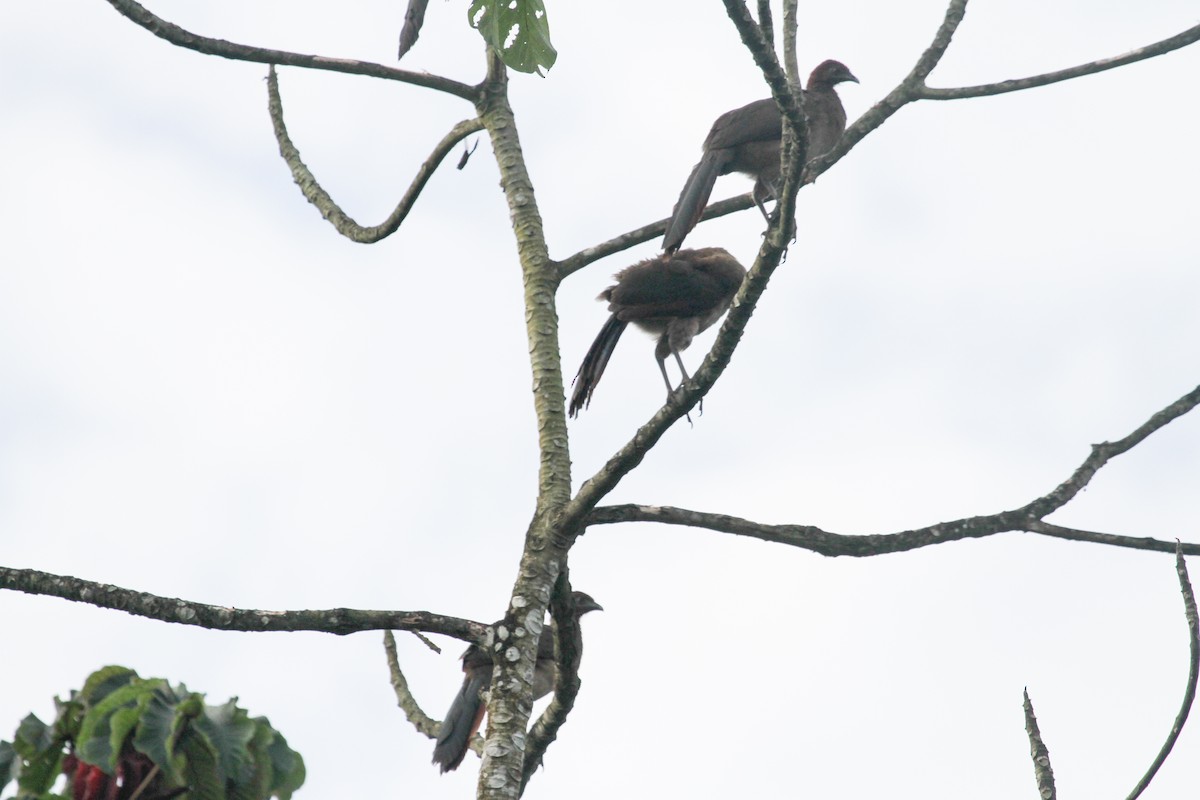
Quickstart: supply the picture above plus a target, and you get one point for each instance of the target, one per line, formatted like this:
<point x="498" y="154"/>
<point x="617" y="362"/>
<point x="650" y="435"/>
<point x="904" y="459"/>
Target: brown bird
<point x="466" y="712"/>
<point x="673" y="296"/>
<point x="747" y="140"/>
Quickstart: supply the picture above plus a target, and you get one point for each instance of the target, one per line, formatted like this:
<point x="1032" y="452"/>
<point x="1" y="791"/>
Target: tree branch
<point x="791" y="62"/>
<point x="404" y="697"/>
<point x="766" y="23"/>
<point x="329" y="209"/>
<point x="240" y="52"/>
<point x="1189" y="694"/>
<point x="1038" y="752"/>
<point x="414" y="18"/>
<point x="646" y="233"/>
<point x="1179" y="40"/>
<point x="340" y="621"/>
<point x="1028" y="518"/>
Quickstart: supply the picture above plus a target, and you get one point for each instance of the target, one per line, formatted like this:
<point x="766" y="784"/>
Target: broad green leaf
<point x="200" y="769"/>
<point x="96" y="743"/>
<point x="518" y="30"/>
<point x="289" y="767"/>
<point x="104" y="681"/>
<point x="232" y="731"/>
<point x="156" y="731"/>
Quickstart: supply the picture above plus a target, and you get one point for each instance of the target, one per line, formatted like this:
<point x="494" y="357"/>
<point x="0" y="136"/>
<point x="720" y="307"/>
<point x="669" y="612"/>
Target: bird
<point x="466" y="711"/>
<point x="747" y="140"/>
<point x="673" y="296"/>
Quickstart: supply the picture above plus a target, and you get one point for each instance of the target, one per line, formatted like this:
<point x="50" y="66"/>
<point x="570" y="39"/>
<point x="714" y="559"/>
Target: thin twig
<point x="241" y="52"/>
<point x="1038" y="752"/>
<point x="1189" y="694"/>
<point x="330" y="210"/>
<point x="1187" y="37"/>
<point x="765" y="22"/>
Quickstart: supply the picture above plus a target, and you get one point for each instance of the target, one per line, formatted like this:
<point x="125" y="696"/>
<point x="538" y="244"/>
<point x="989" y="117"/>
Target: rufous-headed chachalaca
<point x="747" y="140"/>
<point x="673" y="296"/>
<point x="466" y="712"/>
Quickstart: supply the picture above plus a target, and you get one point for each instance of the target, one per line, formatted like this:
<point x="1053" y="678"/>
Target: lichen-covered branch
<point x="330" y="210"/>
<point x="241" y="52"/>
<point x="1189" y="693"/>
<point x="404" y="697"/>
<point x="544" y="555"/>
<point x="340" y="621"/>
<point x="1042" y="771"/>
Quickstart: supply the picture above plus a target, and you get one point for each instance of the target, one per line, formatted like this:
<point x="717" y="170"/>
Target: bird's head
<point x="829" y="74"/>
<point x="584" y="603"/>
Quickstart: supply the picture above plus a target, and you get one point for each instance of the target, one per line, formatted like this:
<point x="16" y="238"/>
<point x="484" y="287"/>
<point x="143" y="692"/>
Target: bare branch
<point x="645" y="233"/>
<point x="240" y="52"/>
<point x="1189" y="694"/>
<point x="1102" y="453"/>
<point x="790" y="61"/>
<point x="1190" y="36"/>
<point x="404" y="698"/>
<point x="329" y="209"/>
<point x="414" y="18"/>
<point x="1038" y="752"/>
<point x="340" y="621"/>
<point x="766" y="23"/>
<point x="826" y="543"/>
<point x="1027" y="518"/>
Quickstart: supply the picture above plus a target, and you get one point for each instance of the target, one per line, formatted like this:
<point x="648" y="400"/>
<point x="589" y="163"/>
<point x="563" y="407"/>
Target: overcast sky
<point x="206" y="392"/>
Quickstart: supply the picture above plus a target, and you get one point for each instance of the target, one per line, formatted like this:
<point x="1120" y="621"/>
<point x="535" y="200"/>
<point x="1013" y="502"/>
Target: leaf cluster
<point x="122" y="737"/>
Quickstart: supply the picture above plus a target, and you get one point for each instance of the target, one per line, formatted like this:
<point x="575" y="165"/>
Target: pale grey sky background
<point x="206" y="392"/>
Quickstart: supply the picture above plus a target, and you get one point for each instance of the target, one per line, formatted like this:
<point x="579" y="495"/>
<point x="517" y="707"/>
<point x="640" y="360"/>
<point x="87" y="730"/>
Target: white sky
<point x="206" y="392"/>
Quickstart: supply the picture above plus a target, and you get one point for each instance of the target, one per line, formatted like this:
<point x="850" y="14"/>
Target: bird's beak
<point x="589" y="606"/>
<point x="850" y="77"/>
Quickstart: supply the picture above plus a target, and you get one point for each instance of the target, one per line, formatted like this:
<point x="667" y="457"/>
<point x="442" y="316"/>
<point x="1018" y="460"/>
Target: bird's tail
<point x="461" y="722"/>
<point x="594" y="363"/>
<point x="692" y="200"/>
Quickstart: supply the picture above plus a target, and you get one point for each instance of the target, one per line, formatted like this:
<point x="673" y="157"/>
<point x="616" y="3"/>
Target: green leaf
<point x="38" y="757"/>
<point x="227" y="731"/>
<point x="99" y="742"/>
<point x="200" y="769"/>
<point x="156" y="732"/>
<point x="101" y="683"/>
<point x="288" y="765"/>
<point x="518" y="30"/>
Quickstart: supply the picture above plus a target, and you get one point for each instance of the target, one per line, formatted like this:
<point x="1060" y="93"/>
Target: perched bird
<point x="747" y="140"/>
<point x="466" y="712"/>
<point x="673" y="296"/>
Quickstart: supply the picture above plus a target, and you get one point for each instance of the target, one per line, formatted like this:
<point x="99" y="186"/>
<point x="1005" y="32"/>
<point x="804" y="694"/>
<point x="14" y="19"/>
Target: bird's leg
<point x="662" y="367"/>
<point x="686" y="377"/>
